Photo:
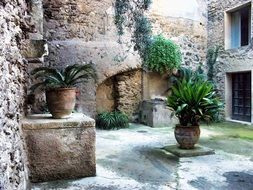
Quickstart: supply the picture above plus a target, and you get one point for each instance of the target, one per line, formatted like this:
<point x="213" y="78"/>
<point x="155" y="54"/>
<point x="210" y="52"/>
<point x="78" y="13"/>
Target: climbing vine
<point x="212" y="55"/>
<point x="131" y="14"/>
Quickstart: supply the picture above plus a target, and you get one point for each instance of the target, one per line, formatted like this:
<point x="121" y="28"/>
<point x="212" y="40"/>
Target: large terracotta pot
<point x="61" y="101"/>
<point x="187" y="137"/>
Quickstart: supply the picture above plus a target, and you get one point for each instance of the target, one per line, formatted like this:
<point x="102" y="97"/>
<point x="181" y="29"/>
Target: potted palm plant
<point x="60" y="86"/>
<point x="193" y="100"/>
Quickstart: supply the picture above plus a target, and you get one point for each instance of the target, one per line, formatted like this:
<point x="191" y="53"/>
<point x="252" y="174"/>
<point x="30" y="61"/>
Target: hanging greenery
<point x="163" y="55"/>
<point x="131" y="14"/>
<point x="212" y="55"/>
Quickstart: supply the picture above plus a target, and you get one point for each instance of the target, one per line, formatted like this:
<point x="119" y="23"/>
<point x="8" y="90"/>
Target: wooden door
<point x="241" y="96"/>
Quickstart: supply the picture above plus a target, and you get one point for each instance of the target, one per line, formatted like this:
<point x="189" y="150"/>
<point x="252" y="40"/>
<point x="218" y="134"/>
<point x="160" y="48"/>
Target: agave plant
<point x="112" y="120"/>
<point x="193" y="102"/>
<point x="71" y="76"/>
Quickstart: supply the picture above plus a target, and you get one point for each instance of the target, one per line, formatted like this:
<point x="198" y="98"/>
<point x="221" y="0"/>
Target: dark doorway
<point x="241" y="96"/>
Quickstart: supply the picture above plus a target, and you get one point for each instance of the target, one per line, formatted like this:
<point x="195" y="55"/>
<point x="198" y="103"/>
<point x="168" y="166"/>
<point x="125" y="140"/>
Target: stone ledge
<point x="45" y="121"/>
<point x="197" y="151"/>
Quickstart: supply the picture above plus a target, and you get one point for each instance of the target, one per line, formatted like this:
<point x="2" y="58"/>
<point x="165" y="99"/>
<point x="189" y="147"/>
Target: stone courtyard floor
<point x="133" y="159"/>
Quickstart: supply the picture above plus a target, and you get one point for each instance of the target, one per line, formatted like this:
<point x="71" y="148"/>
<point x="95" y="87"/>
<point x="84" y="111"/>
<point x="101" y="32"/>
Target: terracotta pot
<point x="187" y="137"/>
<point x="61" y="102"/>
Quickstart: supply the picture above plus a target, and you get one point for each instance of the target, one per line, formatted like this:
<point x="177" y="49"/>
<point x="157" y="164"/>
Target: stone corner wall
<point x="13" y="76"/>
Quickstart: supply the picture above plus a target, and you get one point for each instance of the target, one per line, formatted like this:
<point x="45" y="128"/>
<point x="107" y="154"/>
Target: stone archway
<point x="121" y="92"/>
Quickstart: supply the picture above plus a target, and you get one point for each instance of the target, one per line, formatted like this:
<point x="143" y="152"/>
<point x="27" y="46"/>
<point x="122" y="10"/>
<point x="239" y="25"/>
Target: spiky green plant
<point x="112" y="120"/>
<point x="185" y="73"/>
<point x="71" y="76"/>
<point x="193" y="102"/>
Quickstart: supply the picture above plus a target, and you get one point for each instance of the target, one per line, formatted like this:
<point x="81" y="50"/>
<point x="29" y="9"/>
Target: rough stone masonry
<point x="13" y="23"/>
<point x="81" y="31"/>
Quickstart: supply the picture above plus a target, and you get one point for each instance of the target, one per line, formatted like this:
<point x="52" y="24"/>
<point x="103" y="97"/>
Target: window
<point x="238" y="27"/>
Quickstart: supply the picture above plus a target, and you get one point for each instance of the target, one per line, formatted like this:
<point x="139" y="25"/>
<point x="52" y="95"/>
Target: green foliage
<point x="194" y="101"/>
<point x="163" y="55"/>
<point x="121" y="8"/>
<point x="112" y="120"/>
<point x="188" y="74"/>
<point x="71" y="76"/>
<point x="212" y="55"/>
<point x="131" y="14"/>
<point x="142" y="36"/>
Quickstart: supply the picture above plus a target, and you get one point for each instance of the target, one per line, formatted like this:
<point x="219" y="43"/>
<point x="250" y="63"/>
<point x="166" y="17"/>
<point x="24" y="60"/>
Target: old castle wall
<point x="13" y="77"/>
<point x="82" y="31"/>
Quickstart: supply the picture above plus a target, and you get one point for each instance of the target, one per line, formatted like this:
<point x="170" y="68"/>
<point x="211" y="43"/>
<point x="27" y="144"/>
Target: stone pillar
<point x="60" y="148"/>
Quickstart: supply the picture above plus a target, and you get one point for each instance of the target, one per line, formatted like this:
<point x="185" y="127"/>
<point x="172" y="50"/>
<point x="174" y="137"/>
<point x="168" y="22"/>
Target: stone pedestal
<point x="197" y="151"/>
<point x="60" y="148"/>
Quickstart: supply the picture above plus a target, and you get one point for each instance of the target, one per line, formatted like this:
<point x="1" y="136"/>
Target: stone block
<point x="197" y="151"/>
<point x="60" y="148"/>
<point x="155" y="113"/>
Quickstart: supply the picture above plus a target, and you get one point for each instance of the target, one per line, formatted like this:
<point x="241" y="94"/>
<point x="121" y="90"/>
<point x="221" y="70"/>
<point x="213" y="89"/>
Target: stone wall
<point x="121" y="92"/>
<point x="184" y="22"/>
<point x="106" y="96"/>
<point x="129" y="92"/>
<point x="13" y="76"/>
<point x="81" y="31"/>
<point x="229" y="60"/>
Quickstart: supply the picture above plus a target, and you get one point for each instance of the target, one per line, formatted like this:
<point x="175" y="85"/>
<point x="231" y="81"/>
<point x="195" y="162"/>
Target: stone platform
<point x="197" y="151"/>
<point x="60" y="148"/>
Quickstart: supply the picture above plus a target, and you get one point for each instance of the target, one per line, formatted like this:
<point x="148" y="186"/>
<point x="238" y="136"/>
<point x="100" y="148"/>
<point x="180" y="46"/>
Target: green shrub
<point x="112" y="120"/>
<point x="194" y="101"/>
<point x="163" y="55"/>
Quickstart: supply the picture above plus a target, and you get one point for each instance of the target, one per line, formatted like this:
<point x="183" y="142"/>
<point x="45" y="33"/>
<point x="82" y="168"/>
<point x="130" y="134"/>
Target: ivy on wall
<point x="157" y="53"/>
<point x="212" y="55"/>
<point x="131" y="14"/>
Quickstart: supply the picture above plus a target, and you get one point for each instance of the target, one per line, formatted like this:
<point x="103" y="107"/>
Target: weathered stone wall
<point x="229" y="60"/>
<point x="106" y="96"/>
<point x="154" y="85"/>
<point x="81" y="31"/>
<point x="129" y="92"/>
<point x="121" y="92"/>
<point x="185" y="23"/>
<point x="13" y="173"/>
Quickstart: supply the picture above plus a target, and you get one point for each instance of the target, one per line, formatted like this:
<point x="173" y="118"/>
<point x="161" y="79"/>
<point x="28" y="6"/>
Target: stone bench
<point x="60" y="148"/>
